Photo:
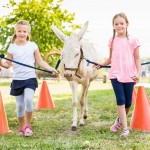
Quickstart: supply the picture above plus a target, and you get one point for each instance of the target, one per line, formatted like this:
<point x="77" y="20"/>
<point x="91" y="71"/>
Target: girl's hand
<point x="136" y="78"/>
<point x="54" y="72"/>
<point x="97" y="66"/>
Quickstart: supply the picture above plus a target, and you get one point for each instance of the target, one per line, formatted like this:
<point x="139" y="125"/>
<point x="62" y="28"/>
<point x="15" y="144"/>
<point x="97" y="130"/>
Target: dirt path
<point x="56" y="87"/>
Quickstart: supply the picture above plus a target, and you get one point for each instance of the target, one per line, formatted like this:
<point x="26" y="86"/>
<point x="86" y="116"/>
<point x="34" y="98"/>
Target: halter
<point x="76" y="69"/>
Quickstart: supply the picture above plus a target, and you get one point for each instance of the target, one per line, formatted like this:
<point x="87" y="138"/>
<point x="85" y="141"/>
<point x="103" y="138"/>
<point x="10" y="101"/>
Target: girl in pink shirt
<point x="125" y="69"/>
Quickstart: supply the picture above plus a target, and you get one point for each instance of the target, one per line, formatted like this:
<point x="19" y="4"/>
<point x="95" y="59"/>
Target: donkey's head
<point x="71" y="53"/>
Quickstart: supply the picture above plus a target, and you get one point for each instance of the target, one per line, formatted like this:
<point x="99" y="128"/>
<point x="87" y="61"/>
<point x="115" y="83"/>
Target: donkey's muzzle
<point x="68" y="75"/>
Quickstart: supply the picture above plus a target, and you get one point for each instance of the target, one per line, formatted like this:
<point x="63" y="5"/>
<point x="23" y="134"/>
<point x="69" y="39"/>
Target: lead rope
<point x="2" y="56"/>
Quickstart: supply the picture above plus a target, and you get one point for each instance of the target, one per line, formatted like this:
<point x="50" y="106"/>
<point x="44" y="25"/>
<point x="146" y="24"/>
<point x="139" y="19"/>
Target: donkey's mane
<point x="88" y="46"/>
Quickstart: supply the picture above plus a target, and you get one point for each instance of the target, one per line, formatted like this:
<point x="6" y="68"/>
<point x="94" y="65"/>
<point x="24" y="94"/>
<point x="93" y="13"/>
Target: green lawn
<point x="52" y="128"/>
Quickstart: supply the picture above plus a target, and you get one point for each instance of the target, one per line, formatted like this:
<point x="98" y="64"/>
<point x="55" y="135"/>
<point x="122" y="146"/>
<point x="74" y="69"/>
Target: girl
<point x="125" y="69"/>
<point x="24" y="79"/>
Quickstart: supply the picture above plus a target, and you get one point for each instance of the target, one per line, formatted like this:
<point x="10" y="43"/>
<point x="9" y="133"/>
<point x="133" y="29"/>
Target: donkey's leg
<point x="86" y="106"/>
<point x="74" y="87"/>
<point x="82" y="102"/>
<point x="86" y="103"/>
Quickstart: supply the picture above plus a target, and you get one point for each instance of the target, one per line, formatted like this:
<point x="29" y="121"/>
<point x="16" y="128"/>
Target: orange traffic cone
<point x="3" y="119"/>
<point x="140" y="119"/>
<point x="44" y="100"/>
<point x="134" y="95"/>
<point x="148" y="99"/>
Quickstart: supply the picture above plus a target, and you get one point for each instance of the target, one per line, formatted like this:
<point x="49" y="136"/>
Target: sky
<point x="99" y="13"/>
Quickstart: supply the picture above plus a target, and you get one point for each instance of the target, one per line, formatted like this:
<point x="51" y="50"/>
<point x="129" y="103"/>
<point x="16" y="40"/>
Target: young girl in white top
<point x="24" y="78"/>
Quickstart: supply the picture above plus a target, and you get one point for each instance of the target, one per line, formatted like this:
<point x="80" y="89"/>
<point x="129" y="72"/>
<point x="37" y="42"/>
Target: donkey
<point x="75" y="68"/>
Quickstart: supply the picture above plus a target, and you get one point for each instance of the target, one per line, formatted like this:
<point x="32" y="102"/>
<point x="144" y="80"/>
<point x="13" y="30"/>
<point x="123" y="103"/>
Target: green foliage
<point x="41" y="14"/>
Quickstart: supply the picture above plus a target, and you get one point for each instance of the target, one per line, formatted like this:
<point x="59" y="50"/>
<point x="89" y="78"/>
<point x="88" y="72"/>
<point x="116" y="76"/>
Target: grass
<point x="52" y="128"/>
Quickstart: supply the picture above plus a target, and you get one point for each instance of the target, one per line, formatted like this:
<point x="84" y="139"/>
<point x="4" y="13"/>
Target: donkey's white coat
<point x="71" y="55"/>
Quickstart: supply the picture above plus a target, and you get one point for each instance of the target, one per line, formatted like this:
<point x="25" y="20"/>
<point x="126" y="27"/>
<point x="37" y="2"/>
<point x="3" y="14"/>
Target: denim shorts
<point x="123" y="92"/>
<point x="18" y="86"/>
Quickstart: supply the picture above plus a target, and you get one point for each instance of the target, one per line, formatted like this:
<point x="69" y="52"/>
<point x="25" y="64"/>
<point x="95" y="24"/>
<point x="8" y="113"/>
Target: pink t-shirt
<point x="123" y="65"/>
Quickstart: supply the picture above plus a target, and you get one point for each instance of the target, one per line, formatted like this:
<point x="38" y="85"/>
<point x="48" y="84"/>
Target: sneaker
<point x="28" y="131"/>
<point x="115" y="127"/>
<point x="21" y="132"/>
<point x="125" y="132"/>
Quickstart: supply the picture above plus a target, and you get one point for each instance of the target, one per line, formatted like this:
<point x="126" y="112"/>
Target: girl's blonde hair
<point x="21" y="22"/>
<point x="122" y="15"/>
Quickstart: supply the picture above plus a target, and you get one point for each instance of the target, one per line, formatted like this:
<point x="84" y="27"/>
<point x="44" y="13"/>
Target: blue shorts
<point x="18" y="86"/>
<point x="123" y="92"/>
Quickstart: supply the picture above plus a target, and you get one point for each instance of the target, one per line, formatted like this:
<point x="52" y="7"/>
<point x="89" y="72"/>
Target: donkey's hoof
<point x="74" y="128"/>
<point x="85" y="116"/>
<point x="81" y="124"/>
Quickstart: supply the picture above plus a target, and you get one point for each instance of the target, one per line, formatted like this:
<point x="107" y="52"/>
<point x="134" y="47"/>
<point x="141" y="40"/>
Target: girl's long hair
<point x="21" y="22"/>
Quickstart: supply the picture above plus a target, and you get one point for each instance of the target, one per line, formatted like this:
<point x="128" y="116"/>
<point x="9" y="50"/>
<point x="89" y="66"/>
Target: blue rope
<point x="2" y="56"/>
<point x="109" y="66"/>
<point x="145" y="63"/>
<point x="91" y="62"/>
<point x="57" y="65"/>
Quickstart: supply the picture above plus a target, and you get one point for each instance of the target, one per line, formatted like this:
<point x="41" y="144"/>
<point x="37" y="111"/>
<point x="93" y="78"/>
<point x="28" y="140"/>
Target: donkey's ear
<point x="59" y="33"/>
<point x="83" y="30"/>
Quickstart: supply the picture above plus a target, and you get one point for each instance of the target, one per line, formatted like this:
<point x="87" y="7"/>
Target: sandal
<point x="28" y="131"/>
<point x="21" y="132"/>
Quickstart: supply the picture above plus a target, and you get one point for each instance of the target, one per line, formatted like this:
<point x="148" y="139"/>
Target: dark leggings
<point x="123" y="92"/>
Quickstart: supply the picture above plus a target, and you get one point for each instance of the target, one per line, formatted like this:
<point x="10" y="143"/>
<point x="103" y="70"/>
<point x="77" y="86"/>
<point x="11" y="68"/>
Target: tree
<point x="41" y="14"/>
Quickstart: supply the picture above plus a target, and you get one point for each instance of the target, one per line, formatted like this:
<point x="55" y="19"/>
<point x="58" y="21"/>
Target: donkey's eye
<point x="77" y="55"/>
